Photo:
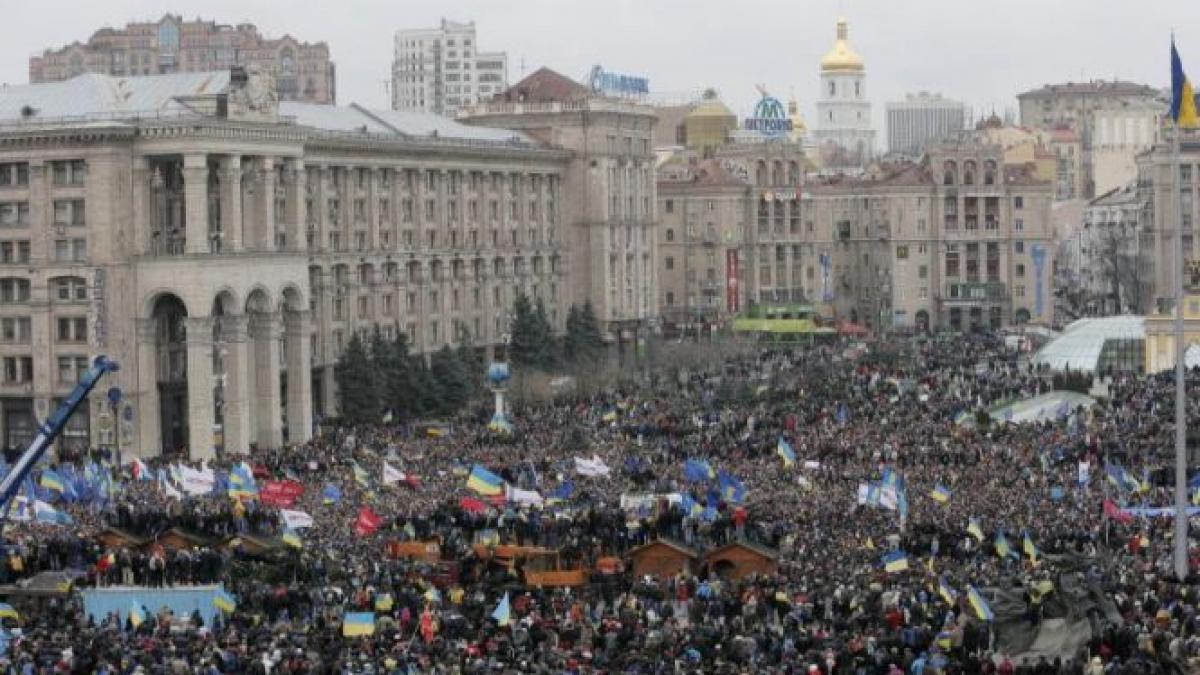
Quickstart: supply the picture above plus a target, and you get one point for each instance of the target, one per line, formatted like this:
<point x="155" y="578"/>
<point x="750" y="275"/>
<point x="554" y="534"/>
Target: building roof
<point x="96" y="97"/>
<point x="754" y="548"/>
<point x="710" y="107"/>
<point x="669" y="543"/>
<point x="93" y="95"/>
<point x="545" y="85"/>
<point x="842" y="56"/>
<point x="356" y="118"/>
<point x="1093" y="88"/>
<point x="1080" y="345"/>
<point x="703" y="173"/>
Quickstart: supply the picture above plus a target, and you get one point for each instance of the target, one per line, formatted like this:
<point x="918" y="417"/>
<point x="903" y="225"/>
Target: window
<point x="923" y="271"/>
<point x="71" y="368"/>
<point x="670" y="234"/>
<point x="72" y="329"/>
<point x="14" y="252"/>
<point x="669" y="206"/>
<point x="1020" y="290"/>
<point x="14" y="214"/>
<point x="70" y="250"/>
<point x="16" y="330"/>
<point x="14" y="174"/>
<point x="1020" y="270"/>
<point x="70" y="289"/>
<point x="68" y="172"/>
<point x="68" y="212"/>
<point x="924" y="295"/>
<point x="14" y="290"/>
<point x="1018" y="202"/>
<point x="18" y="369"/>
<point x="902" y="252"/>
<point x="670" y="298"/>
<point x="1019" y="246"/>
<point x="670" y="263"/>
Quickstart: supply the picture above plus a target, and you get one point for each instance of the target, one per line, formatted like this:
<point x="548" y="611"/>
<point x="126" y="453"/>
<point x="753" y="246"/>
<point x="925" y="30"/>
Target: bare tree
<point x="1119" y="270"/>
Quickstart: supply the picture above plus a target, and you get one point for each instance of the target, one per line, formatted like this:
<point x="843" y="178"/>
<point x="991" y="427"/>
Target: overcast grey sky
<point x="982" y="53"/>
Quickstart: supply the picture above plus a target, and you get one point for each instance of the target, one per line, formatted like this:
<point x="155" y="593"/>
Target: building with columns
<point x="844" y="135"/>
<point x="223" y="248"/>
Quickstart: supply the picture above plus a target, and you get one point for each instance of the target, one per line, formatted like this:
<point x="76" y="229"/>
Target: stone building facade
<point x="303" y="70"/>
<point x="610" y="221"/>
<point x="225" y="251"/>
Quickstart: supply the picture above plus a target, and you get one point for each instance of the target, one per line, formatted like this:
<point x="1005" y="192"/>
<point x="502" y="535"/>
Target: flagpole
<point x="1181" y="517"/>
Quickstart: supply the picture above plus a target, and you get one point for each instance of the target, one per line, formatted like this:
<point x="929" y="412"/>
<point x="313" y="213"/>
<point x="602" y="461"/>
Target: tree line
<point x="379" y="378"/>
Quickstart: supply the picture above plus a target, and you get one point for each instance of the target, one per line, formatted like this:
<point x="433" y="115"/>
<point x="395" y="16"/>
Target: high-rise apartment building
<point x="919" y="119"/>
<point x="302" y="70"/>
<point x="441" y="70"/>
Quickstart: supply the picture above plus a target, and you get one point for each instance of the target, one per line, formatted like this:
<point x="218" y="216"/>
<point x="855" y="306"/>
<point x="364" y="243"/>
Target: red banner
<point x="733" y="302"/>
<point x="367" y="521"/>
<point x="280" y="492"/>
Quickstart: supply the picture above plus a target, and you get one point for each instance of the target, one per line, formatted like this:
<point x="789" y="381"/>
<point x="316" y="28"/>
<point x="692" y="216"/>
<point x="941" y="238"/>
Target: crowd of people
<point x="1003" y="556"/>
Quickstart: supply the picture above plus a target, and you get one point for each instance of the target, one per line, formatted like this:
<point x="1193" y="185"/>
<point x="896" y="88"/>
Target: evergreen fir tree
<point x="450" y="375"/>
<point x="591" y="343"/>
<point x="395" y="367"/>
<point x="524" y="349"/>
<point x="572" y="339"/>
<point x="357" y="384"/>
<point x="547" y="345"/>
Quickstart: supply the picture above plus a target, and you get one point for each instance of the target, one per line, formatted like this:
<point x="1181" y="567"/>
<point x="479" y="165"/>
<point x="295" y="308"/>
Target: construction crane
<point x="50" y="430"/>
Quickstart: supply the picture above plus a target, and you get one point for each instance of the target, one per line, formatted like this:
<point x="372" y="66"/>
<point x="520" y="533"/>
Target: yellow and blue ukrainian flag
<point x="946" y="591"/>
<point x="358" y="623"/>
<point x="52" y="481"/>
<point x="290" y="538"/>
<point x="974" y="529"/>
<point x="786" y="453"/>
<point x="941" y="494"/>
<point x="979" y="604"/>
<point x="384" y="602"/>
<point x="224" y="602"/>
<point x="1030" y="549"/>
<point x="1183" y="97"/>
<point x="136" y="616"/>
<point x="485" y="482"/>
<point x="360" y="476"/>
<point x="897" y="561"/>
<point x="7" y="612"/>
<point x="1003" y="548"/>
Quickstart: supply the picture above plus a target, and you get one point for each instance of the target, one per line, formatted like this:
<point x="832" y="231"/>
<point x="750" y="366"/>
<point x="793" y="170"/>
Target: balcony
<point x="974" y="292"/>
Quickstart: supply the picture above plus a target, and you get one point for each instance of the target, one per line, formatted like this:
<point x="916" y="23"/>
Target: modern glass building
<point x="1096" y="345"/>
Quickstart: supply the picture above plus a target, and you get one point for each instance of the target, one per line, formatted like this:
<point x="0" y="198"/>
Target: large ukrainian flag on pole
<point x="1183" y="98"/>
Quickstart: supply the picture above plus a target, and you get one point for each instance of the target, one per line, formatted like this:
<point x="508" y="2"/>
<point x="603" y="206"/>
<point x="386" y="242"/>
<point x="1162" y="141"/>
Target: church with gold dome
<point x="843" y="133"/>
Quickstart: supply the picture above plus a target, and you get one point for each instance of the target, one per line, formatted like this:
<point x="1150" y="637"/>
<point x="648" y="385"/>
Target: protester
<point x="837" y="463"/>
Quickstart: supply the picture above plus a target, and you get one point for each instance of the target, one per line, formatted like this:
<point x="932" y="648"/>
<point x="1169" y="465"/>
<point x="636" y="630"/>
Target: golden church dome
<point x="842" y="57"/>
<point x="799" y="129"/>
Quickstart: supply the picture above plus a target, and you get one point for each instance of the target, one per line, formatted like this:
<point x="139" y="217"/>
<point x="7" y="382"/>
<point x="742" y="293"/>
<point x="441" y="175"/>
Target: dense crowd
<point x="1081" y="592"/>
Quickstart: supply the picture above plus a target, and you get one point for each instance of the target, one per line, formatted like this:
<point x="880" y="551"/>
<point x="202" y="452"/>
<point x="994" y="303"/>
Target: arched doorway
<point x="169" y="316"/>
<point x="922" y="319"/>
<point x="1022" y="315"/>
<point x="976" y="319"/>
<point x="956" y="319"/>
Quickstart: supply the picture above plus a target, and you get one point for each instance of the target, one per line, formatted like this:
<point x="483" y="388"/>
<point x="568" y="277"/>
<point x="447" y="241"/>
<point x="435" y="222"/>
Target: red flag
<point x="1111" y="511"/>
<point x="367" y="521"/>
<point x="471" y="505"/>
<point x="412" y="481"/>
<point x="280" y="492"/>
<point x="427" y="626"/>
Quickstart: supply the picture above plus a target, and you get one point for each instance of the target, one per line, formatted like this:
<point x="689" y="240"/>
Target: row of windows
<point x="63" y="289"/>
<point x="67" y="213"/>
<point x="387" y="302"/>
<point x="19" y="369"/>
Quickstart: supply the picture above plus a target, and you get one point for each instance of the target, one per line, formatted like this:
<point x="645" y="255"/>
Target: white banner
<point x="1085" y="473"/>
<point x="197" y="482"/>
<point x="864" y="493"/>
<point x="591" y="467"/>
<point x="888" y="498"/>
<point x="295" y="520"/>
<point x="524" y="497"/>
<point x="391" y="474"/>
<point x="637" y="501"/>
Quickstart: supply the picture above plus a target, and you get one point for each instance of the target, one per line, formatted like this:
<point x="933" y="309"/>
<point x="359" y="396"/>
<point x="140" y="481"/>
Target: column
<point x="237" y="370"/>
<point x="231" y="203"/>
<point x="264" y="331"/>
<point x="200" y="387"/>
<point x="265" y="206"/>
<point x="195" y="199"/>
<point x="297" y="332"/>
<point x="141" y="205"/>
<point x="372" y="211"/>
<point x="329" y="401"/>
<point x="296" y="205"/>
<point x="321" y="204"/>
<point x="146" y="413"/>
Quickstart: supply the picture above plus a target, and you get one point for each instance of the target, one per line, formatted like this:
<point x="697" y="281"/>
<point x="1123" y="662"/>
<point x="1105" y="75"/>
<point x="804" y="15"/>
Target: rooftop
<point x="1093" y="88"/>
<point x="1081" y="344"/>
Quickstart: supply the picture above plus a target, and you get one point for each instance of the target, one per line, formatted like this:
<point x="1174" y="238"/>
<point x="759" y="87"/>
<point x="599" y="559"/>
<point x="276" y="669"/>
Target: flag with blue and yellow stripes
<point x="1183" y="97"/>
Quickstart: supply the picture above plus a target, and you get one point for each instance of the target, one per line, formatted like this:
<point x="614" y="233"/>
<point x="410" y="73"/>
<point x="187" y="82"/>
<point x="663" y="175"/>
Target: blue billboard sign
<point x="603" y="82"/>
<point x="770" y="118"/>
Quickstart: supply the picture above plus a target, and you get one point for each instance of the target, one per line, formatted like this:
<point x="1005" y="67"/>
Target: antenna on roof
<point x="522" y="66"/>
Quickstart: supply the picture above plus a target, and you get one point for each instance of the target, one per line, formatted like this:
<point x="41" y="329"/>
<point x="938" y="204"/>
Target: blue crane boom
<point x="51" y="429"/>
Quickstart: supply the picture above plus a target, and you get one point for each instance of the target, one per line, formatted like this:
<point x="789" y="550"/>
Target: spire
<point x="843" y="30"/>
